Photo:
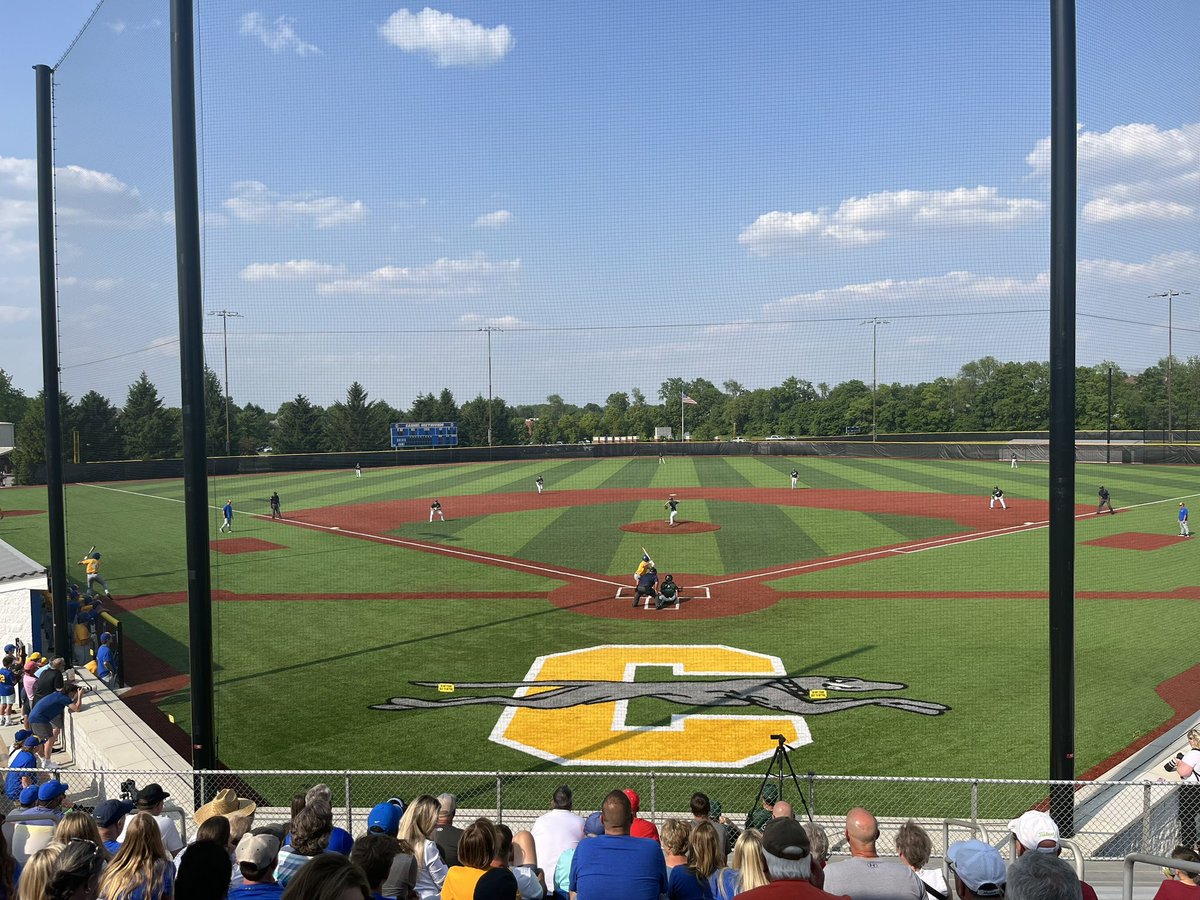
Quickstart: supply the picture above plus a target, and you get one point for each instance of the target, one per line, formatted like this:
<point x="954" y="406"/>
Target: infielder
<point x="1184" y="531"/>
<point x="1105" y="500"/>
<point x="541" y="485"/>
<point x="92" y="564"/>
<point x="673" y="505"/>
<point x="997" y="497"/>
<point x="435" y="509"/>
<point x="795" y="478"/>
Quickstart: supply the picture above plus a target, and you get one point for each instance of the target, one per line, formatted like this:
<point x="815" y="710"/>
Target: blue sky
<point x="628" y="192"/>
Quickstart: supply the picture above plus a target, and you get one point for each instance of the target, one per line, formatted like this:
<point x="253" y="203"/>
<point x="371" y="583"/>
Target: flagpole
<point x="682" y="407"/>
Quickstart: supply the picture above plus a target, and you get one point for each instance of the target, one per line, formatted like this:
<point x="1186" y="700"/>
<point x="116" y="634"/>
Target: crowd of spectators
<point x="132" y="850"/>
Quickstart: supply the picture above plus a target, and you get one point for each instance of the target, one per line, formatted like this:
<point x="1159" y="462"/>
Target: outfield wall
<point x="1028" y="447"/>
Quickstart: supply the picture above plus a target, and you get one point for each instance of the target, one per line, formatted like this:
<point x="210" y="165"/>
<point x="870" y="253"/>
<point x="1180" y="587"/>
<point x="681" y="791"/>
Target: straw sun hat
<point x="226" y="803"/>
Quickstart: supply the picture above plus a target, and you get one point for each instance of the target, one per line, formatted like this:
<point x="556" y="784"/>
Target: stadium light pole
<point x="1170" y="295"/>
<point x="226" y="315"/>
<point x="874" y="322"/>
<point x="489" y="329"/>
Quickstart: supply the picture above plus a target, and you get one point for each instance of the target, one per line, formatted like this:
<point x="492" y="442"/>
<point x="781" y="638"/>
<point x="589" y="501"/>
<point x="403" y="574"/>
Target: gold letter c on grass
<point x="597" y="734"/>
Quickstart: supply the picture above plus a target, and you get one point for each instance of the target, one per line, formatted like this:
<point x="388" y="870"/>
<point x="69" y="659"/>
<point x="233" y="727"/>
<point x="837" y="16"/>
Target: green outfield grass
<point x="962" y="624"/>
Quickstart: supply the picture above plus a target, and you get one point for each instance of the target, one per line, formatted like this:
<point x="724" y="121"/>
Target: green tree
<point x="30" y="452"/>
<point x="12" y="400"/>
<point x="149" y="429"/>
<point x="473" y="423"/>
<point x="98" y="424"/>
<point x="447" y="409"/>
<point x="425" y="408"/>
<point x="214" y="421"/>
<point x="298" y="427"/>
<point x="357" y="423"/>
<point x="254" y="429"/>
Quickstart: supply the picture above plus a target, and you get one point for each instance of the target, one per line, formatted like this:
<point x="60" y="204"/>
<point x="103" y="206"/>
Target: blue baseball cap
<point x="33" y="741"/>
<point x="50" y="790"/>
<point x="29" y="795"/>
<point x="20" y="736"/>
<point x="594" y="825"/>
<point x="384" y="818"/>
<point x="109" y="813"/>
<point x="340" y="842"/>
<point x="105" y="637"/>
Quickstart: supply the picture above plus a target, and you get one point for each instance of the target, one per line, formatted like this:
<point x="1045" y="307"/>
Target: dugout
<point x="23" y="585"/>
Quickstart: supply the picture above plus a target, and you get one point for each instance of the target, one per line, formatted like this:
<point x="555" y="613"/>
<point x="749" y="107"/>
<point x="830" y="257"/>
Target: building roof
<point x="15" y="565"/>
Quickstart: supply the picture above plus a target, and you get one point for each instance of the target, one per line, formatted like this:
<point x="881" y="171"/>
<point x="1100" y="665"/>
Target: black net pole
<point x="1062" y="409"/>
<point x="191" y="362"/>
<point x="56" y="515"/>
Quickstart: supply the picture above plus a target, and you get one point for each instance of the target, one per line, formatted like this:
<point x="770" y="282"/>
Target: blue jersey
<point x="104" y="660"/>
<point x="12" y="783"/>
<point x="49" y="708"/>
<point x="8" y="682"/>
<point x="618" y="866"/>
<point x="227" y="509"/>
<point x="1183" y="513"/>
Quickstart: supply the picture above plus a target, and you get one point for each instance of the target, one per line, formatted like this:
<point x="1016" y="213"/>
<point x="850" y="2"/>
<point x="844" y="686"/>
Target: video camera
<point x="1172" y="765"/>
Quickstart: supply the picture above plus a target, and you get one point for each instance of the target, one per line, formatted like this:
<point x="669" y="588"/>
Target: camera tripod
<point x="779" y="759"/>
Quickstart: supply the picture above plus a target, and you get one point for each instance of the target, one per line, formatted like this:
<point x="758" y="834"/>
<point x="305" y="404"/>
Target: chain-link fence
<point x="1111" y="819"/>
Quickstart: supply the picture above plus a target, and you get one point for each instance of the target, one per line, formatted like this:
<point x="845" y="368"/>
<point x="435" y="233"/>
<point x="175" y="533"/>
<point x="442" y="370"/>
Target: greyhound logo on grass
<point x="572" y="708"/>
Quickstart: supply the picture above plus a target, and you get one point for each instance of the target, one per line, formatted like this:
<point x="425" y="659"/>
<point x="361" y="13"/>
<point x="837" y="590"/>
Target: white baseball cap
<point x="1034" y="827"/>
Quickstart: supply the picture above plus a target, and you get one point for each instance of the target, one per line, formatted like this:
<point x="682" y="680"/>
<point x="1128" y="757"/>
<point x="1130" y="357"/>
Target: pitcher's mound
<point x="243" y="545"/>
<point x="661" y="527"/>
<point x="1133" y="540"/>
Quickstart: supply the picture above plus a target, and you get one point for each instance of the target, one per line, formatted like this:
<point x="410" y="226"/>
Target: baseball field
<point x="881" y="615"/>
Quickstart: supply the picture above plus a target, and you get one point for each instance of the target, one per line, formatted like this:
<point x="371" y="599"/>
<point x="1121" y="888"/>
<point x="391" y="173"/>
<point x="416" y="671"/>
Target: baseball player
<point x="541" y="484"/>
<point x="795" y="478"/>
<point x="357" y="471"/>
<point x="227" y="513"/>
<point x="673" y="505"/>
<point x="435" y="509"/>
<point x="1014" y="458"/>
<point x="645" y="563"/>
<point x="1105" y="500"/>
<point x="1184" y="531"/>
<point x="275" y="511"/>
<point x="997" y="497"/>
<point x="91" y="562"/>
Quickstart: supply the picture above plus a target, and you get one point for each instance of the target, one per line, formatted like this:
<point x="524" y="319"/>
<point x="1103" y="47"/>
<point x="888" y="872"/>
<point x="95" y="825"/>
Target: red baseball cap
<point x="634" y="799"/>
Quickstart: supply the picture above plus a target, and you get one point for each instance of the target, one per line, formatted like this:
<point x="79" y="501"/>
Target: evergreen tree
<point x="298" y="427"/>
<point x="12" y="400"/>
<point x="356" y="424"/>
<point x="254" y="429"/>
<point x="150" y="431"/>
<point x="214" y="418"/>
<point x="98" y="424"/>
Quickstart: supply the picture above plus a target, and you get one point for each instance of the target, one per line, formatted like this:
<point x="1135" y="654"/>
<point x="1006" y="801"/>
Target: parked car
<point x="775" y="437"/>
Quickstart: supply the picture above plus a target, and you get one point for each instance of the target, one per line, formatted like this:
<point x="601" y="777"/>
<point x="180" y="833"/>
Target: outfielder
<point x="1014" y="458"/>
<point x="673" y="505"/>
<point x="1184" y="531"/>
<point x="795" y="478"/>
<point x="92" y="564"/>
<point x="997" y="497"/>
<point x="541" y="484"/>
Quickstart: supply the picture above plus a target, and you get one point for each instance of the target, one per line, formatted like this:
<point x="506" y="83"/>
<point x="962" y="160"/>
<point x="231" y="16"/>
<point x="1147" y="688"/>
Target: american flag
<point x="689" y="401"/>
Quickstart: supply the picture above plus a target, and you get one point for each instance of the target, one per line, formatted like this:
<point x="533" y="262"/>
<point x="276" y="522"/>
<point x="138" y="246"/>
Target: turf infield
<point x="894" y="571"/>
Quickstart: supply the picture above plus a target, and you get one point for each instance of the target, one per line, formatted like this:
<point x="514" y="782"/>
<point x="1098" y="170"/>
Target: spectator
<point x="142" y="869"/>
<point x="106" y="665"/>
<point x="593" y="826"/>
<point x="692" y="881"/>
<point x="76" y="870"/>
<point x="1042" y="876"/>
<point x="782" y="810"/>
<point x="25" y="811"/>
<point x="311" y="829"/>
<point x="522" y="860"/>
<point x="29" y="680"/>
<point x="1179" y="884"/>
<point x="232" y="816"/>
<point x="416" y="827"/>
<point x="340" y="840"/>
<point x="50" y="800"/>
<point x="203" y="871"/>
<point x="46" y="717"/>
<point x="8" y="692"/>
<point x="700" y="813"/>
<point x="50" y="678"/>
<point x="674" y="840"/>
<point x="1188" y="768"/>
<point x="555" y="831"/>
<point x="476" y="851"/>
<point x="35" y="878"/>
<point x="26" y="758"/>
<point x="110" y="822"/>
<point x="978" y="869"/>
<point x="496" y="884"/>
<point x="759" y="817"/>
<point x="747" y="870"/>
<point x="384" y="819"/>
<point x="329" y="876"/>
<point x="257" y="855"/>
<point x="8" y="871"/>
<point x="445" y="835"/>
<point x="864" y="876"/>
<point x="373" y="853"/>
<point x="1037" y="831"/>
<point x="643" y="828"/>
<point x="788" y="858"/>
<point x="78" y="825"/>
<point x="732" y="832"/>
<point x="151" y="800"/>
<point x="914" y="847"/>
<point x="615" y="864"/>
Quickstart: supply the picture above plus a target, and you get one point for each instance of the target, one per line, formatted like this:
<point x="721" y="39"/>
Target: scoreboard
<point x="411" y="435"/>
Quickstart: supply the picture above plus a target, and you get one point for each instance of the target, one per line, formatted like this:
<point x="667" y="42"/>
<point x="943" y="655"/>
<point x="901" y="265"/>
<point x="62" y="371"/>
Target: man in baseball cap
<point x="402" y="876"/>
<point x="643" y="828"/>
<point x="50" y="799"/>
<point x="1035" y="831"/>
<point x="978" y="869"/>
<point x="257" y="855"/>
<point x="110" y="819"/>
<point x="788" y="855"/>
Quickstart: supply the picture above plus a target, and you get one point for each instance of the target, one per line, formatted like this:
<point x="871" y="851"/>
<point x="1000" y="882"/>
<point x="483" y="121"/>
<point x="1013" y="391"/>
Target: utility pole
<point x="874" y="322"/>
<point x="226" y="315"/>
<point x="1170" y="296"/>
<point x="489" y="329"/>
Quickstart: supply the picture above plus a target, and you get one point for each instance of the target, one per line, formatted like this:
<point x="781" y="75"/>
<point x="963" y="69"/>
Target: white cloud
<point x="449" y="40"/>
<point x="953" y="287"/>
<point x="253" y="202"/>
<point x="13" y="247"/>
<point x="292" y="270"/>
<point x="444" y="277"/>
<point x="11" y="314"/>
<point x="82" y="196"/>
<point x="497" y="219"/>
<point x="1134" y="172"/>
<point x="117" y="27"/>
<point x="276" y="36"/>
<point x="1167" y="270"/>
<point x="502" y="322"/>
<point x="101" y="285"/>
<point x="865" y="220"/>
